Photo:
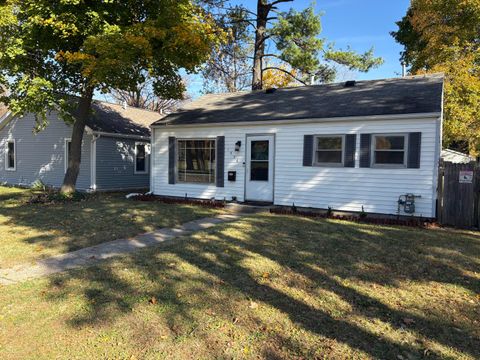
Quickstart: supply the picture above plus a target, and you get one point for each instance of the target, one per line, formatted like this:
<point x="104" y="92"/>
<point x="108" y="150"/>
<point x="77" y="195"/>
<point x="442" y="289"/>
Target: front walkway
<point x="91" y="255"/>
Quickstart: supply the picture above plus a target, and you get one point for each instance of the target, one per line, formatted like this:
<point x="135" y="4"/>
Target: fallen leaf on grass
<point x="408" y="321"/>
<point x="153" y="300"/>
<point x="253" y="305"/>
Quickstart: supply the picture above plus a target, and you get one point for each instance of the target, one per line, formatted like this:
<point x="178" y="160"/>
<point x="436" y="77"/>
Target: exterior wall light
<point x="238" y="145"/>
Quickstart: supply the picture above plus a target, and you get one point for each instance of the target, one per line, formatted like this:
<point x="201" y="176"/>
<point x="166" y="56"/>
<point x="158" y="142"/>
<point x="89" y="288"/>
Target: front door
<point x="259" y="168"/>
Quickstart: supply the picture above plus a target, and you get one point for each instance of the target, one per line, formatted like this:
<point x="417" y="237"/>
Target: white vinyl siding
<point x="348" y="189"/>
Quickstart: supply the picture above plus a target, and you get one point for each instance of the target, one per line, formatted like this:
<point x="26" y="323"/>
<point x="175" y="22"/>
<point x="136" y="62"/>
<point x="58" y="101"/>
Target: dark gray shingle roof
<point x="114" y="119"/>
<point x="410" y="95"/>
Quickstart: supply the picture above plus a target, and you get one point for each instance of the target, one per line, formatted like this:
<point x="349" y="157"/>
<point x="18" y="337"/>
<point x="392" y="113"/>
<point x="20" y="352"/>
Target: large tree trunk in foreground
<point x="75" y="156"/>
<point x="260" y="36"/>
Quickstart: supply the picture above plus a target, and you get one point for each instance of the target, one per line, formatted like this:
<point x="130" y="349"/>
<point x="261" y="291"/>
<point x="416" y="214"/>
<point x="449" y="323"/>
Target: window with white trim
<point x="329" y="150"/>
<point x="196" y="161"/>
<point x="68" y="149"/>
<point x="390" y="150"/>
<point x="10" y="155"/>
<point x="141" y="158"/>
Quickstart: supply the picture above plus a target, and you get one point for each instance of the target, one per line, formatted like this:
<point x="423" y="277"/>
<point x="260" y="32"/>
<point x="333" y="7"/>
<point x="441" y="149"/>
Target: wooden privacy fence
<point x="459" y="195"/>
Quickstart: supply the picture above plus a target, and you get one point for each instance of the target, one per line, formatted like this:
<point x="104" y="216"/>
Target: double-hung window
<point x="390" y="150"/>
<point x="329" y="150"/>
<point x="10" y="155"/>
<point x="196" y="161"/>
<point x="141" y="158"/>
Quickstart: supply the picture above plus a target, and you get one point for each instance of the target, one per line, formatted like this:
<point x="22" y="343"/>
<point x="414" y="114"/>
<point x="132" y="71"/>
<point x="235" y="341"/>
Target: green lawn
<point x="33" y="231"/>
<point x="266" y="286"/>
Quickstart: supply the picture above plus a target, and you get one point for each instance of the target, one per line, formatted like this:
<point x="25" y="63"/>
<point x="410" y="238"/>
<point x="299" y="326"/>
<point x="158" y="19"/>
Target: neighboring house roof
<point x="3" y="110"/>
<point x="456" y="157"/>
<point x="114" y="119"/>
<point x="410" y="95"/>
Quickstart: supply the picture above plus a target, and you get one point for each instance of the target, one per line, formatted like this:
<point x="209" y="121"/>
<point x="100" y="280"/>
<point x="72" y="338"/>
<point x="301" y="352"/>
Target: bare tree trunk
<point x="262" y="18"/>
<point x="74" y="158"/>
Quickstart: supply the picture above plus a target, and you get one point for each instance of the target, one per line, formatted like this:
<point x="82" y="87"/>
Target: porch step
<point x="236" y="208"/>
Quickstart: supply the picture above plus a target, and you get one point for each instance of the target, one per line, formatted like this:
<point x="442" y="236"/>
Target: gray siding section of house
<point x="116" y="165"/>
<point x="41" y="156"/>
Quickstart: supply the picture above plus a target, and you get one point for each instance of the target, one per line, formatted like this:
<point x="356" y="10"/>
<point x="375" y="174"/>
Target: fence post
<point x="476" y="194"/>
<point x="441" y="171"/>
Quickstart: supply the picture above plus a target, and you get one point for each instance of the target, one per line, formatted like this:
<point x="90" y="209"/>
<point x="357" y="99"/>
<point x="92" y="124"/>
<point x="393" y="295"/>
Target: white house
<point x="346" y="146"/>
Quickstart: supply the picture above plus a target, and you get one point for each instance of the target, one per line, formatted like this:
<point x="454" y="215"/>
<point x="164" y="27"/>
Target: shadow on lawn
<point x="66" y="227"/>
<point x="322" y="252"/>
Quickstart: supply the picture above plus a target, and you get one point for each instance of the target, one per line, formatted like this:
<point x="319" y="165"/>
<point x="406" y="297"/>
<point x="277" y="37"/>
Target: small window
<point x="141" y="158"/>
<point x="329" y="150"/>
<point x="389" y="150"/>
<point x="68" y="149"/>
<point x="196" y="161"/>
<point x="11" y="156"/>
<point x="259" y="164"/>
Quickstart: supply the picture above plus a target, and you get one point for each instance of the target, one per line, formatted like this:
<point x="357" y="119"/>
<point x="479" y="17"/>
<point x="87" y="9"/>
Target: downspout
<point x="93" y="165"/>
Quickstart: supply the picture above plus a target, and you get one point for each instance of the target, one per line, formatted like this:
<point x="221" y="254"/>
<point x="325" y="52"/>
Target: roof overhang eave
<point x="412" y="116"/>
<point x="118" y="135"/>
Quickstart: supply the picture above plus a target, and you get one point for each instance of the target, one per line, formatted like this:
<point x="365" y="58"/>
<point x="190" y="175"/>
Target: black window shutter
<point x="350" y="145"/>
<point x="414" y="149"/>
<point x="365" y="152"/>
<point x="172" y="157"/>
<point x="308" y="150"/>
<point x="220" y="161"/>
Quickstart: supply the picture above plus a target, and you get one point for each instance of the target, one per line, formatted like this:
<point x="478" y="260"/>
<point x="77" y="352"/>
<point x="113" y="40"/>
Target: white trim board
<point x="419" y="116"/>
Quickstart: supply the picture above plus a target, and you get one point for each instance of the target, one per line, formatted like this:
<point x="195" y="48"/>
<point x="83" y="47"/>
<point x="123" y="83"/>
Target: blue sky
<point x="358" y="23"/>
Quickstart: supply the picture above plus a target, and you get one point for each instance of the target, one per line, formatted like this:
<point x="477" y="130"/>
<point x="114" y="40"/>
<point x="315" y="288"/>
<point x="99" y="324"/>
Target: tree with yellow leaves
<point x="55" y="54"/>
<point x="279" y="78"/>
<point x="444" y="36"/>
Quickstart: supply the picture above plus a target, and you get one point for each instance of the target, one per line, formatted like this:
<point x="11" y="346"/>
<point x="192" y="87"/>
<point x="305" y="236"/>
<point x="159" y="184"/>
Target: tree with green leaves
<point x="295" y="37"/>
<point x="281" y="45"/>
<point x="444" y="36"/>
<point x="55" y="54"/>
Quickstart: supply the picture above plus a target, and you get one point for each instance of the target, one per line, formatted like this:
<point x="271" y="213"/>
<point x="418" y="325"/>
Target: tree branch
<point x="286" y="72"/>
<point x="278" y="2"/>
<point x="272" y="55"/>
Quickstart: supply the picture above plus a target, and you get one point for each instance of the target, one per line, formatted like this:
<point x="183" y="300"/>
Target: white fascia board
<point x="419" y="116"/>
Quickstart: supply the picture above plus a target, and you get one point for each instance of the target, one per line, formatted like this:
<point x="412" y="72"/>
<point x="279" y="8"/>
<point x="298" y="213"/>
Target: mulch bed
<point x="368" y="219"/>
<point x="182" y="201"/>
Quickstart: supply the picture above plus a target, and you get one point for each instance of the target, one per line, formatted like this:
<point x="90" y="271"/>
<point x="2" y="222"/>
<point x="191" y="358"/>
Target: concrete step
<point x="236" y="208"/>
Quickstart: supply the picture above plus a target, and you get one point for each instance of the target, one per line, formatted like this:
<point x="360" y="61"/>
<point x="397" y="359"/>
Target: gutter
<point x="416" y="116"/>
<point x="93" y="162"/>
<point x="123" y="136"/>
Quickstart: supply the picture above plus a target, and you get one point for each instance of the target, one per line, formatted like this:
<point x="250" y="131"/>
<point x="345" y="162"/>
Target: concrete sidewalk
<point x="92" y="255"/>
